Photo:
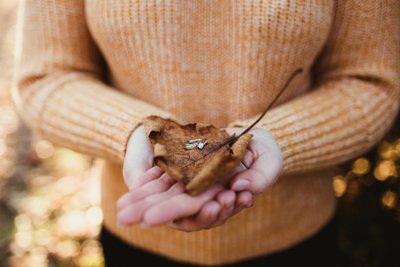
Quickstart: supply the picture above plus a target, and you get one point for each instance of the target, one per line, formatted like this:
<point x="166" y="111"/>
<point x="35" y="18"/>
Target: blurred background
<point x="49" y="196"/>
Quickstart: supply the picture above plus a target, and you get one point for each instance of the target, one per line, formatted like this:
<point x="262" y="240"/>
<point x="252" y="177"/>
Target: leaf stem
<point x="234" y="138"/>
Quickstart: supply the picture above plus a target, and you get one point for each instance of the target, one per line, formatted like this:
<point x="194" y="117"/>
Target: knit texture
<point x="89" y="71"/>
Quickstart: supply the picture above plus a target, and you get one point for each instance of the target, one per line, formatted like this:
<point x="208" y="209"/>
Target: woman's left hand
<point x="163" y="201"/>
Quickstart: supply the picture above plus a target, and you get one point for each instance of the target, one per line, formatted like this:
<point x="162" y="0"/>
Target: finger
<point x="225" y="213"/>
<point x="133" y="213"/>
<point x="260" y="176"/>
<point x="243" y="200"/>
<point x="156" y="186"/>
<point x="208" y="214"/>
<point x="183" y="205"/>
<point x="151" y="174"/>
<point x="162" y="184"/>
<point x="248" y="158"/>
<point x="252" y="180"/>
<point x="226" y="198"/>
<point x="228" y="177"/>
<point x="223" y="216"/>
<point x="206" y="217"/>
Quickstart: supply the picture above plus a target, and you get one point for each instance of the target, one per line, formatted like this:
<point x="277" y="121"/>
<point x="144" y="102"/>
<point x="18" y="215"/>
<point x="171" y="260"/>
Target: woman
<point x="90" y="72"/>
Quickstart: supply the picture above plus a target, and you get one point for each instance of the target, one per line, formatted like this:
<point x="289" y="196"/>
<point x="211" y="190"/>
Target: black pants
<point x="319" y="250"/>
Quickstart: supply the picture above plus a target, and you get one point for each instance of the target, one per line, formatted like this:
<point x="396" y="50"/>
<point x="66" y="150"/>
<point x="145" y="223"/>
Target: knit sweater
<point x="90" y="71"/>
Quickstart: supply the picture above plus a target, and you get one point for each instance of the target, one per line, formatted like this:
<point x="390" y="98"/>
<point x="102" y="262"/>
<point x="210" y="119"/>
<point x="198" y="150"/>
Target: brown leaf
<point x="200" y="168"/>
<point x="196" y="168"/>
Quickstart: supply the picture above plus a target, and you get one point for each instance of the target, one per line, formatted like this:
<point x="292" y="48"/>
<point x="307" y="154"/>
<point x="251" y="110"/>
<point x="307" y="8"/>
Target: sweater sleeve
<point x="58" y="88"/>
<point x="355" y="97"/>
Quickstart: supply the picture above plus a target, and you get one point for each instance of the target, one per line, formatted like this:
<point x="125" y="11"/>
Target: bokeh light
<point x="385" y="169"/>
<point x="389" y="199"/>
<point x="339" y="185"/>
<point x="388" y="151"/>
<point x="361" y="166"/>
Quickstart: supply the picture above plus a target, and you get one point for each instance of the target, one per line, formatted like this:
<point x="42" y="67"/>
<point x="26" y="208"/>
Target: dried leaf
<point x="197" y="168"/>
<point x="199" y="155"/>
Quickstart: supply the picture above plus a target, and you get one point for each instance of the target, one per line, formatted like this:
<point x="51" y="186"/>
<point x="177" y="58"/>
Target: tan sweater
<point x="90" y="71"/>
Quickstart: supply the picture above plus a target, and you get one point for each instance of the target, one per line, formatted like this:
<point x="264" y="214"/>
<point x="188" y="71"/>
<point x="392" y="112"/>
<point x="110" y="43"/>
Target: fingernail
<point x="241" y="185"/>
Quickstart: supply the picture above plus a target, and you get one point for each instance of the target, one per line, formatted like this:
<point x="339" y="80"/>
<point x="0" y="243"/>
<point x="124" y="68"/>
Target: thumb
<point x="266" y="166"/>
<point x="261" y="175"/>
<point x="138" y="158"/>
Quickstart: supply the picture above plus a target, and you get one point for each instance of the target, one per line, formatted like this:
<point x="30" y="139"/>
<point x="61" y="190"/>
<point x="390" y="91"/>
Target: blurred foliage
<point x="57" y="215"/>
<point x="49" y="196"/>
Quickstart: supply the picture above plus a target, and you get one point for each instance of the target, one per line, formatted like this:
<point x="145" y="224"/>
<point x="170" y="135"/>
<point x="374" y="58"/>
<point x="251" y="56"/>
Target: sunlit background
<point x="49" y="196"/>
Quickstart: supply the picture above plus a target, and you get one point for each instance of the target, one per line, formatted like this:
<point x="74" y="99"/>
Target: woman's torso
<point x="216" y="61"/>
<point x="210" y="61"/>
